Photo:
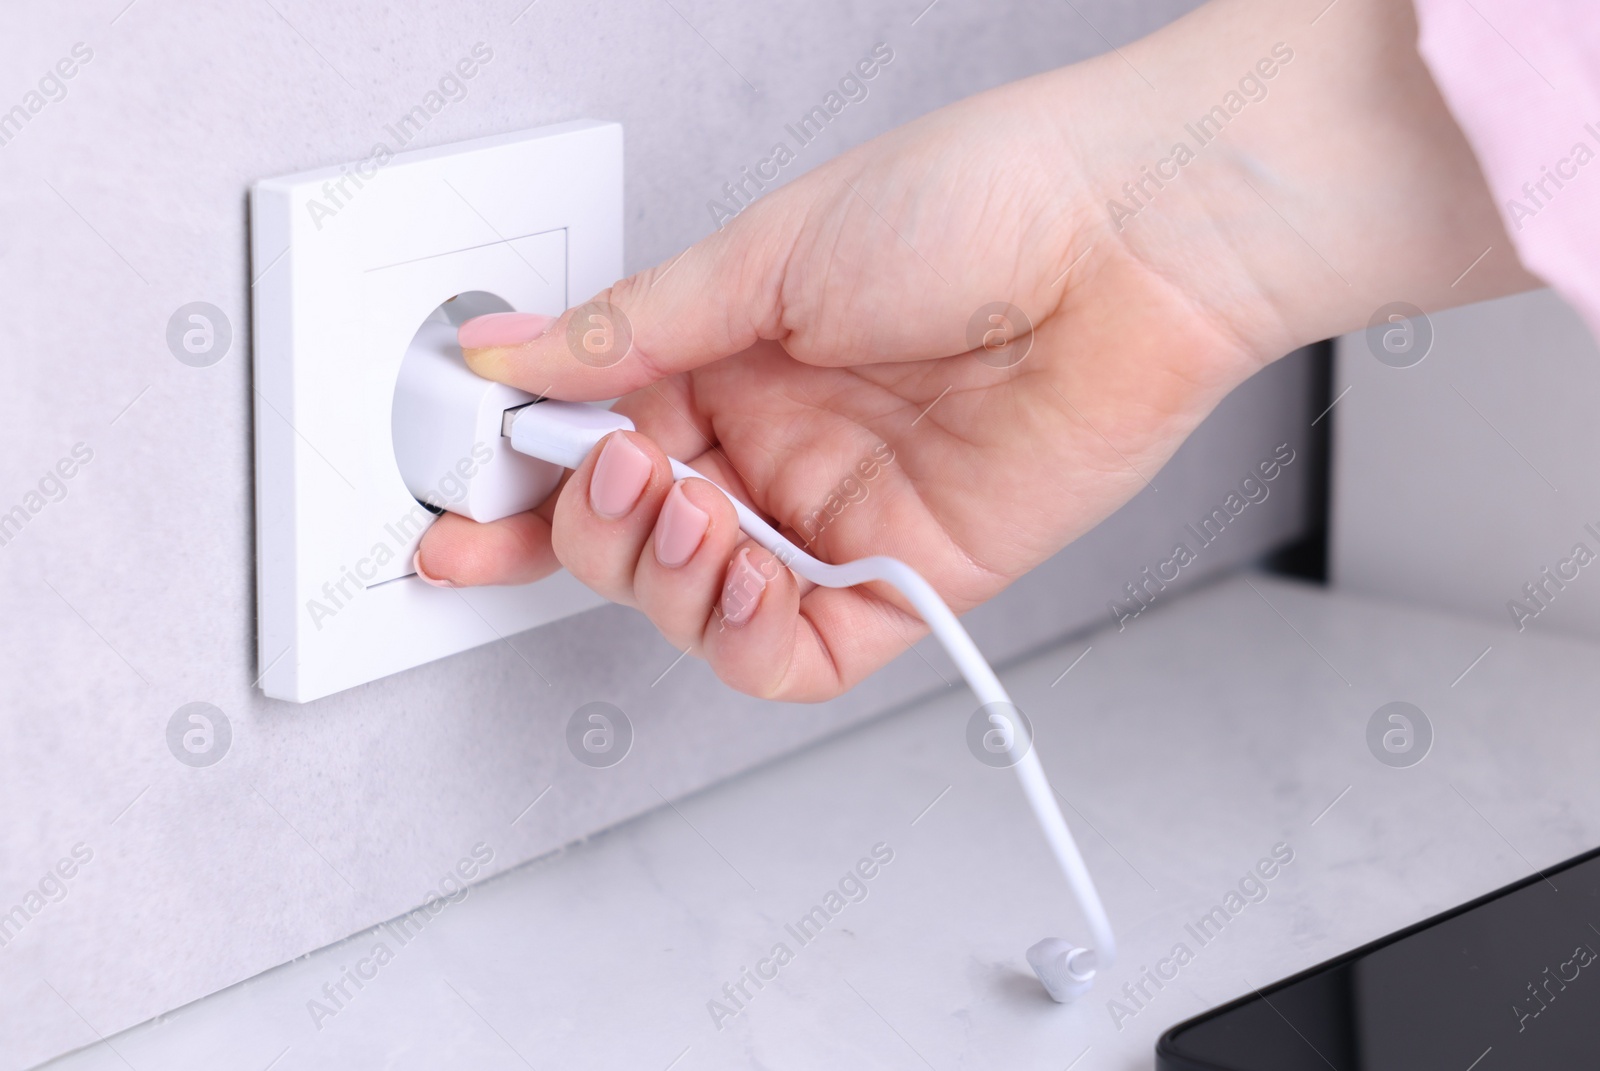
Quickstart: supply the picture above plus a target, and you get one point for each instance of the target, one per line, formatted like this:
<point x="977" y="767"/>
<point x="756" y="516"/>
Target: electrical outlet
<point x="349" y="262"/>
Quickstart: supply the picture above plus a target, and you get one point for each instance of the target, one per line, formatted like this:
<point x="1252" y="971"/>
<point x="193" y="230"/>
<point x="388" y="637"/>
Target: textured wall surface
<point x="1467" y="481"/>
<point x="128" y="593"/>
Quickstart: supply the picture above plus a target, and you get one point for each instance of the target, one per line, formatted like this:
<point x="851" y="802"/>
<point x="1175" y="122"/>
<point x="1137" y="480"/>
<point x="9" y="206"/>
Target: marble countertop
<point x="1210" y="732"/>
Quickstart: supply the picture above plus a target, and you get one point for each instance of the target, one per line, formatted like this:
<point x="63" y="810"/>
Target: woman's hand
<point x="947" y="346"/>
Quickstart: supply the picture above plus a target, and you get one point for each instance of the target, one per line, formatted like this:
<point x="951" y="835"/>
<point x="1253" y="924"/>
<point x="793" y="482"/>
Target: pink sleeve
<point x="1522" y="78"/>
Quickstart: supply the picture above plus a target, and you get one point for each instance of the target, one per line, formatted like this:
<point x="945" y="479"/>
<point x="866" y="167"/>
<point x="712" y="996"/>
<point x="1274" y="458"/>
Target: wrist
<point x="1291" y="176"/>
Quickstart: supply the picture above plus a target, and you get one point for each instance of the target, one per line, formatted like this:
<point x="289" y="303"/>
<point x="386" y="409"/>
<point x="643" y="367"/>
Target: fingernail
<point x="502" y="329"/>
<point x="741" y="592"/>
<point x="416" y="563"/>
<point x="679" y="529"/>
<point x="619" y="477"/>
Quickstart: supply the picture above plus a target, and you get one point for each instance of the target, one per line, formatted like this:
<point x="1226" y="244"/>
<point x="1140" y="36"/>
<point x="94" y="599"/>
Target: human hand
<point x="823" y="356"/>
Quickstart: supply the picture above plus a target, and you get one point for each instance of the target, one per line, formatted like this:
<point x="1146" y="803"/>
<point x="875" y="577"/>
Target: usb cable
<point x="563" y="433"/>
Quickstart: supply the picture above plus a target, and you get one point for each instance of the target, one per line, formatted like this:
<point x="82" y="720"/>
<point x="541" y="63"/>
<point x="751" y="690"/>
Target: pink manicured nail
<point x="416" y="563"/>
<point x="619" y="477"/>
<point x="741" y="592"/>
<point x="679" y="529"/>
<point x="502" y="329"/>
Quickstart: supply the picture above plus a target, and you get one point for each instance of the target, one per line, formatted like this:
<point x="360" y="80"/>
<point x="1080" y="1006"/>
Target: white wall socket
<point x="348" y="263"/>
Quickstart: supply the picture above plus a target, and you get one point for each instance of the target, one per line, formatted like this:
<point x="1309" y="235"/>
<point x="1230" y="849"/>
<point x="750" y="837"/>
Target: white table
<point x="1188" y="745"/>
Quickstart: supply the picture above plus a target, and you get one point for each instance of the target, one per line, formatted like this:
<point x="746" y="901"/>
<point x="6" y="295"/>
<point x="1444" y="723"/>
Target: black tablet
<point x="1509" y="981"/>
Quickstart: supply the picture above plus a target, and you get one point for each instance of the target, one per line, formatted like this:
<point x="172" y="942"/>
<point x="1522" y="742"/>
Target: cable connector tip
<point x="509" y="417"/>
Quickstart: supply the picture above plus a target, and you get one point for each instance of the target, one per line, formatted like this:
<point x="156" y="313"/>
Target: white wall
<point x="133" y="595"/>
<point x="1459" y="480"/>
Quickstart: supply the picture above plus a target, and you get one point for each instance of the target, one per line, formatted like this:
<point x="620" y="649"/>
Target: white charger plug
<point x="446" y="426"/>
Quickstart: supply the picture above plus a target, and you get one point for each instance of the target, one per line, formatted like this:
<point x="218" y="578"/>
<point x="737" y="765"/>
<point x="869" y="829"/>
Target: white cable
<point x="563" y="433"/>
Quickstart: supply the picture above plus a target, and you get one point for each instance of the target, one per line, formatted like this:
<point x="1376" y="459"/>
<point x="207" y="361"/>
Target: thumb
<point x="715" y="299"/>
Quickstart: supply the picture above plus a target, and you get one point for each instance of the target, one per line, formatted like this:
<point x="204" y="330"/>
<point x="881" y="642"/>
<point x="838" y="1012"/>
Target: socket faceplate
<point x="348" y="261"/>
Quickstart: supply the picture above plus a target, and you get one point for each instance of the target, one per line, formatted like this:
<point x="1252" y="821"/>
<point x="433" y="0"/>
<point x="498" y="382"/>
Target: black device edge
<point x="1169" y="1060"/>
